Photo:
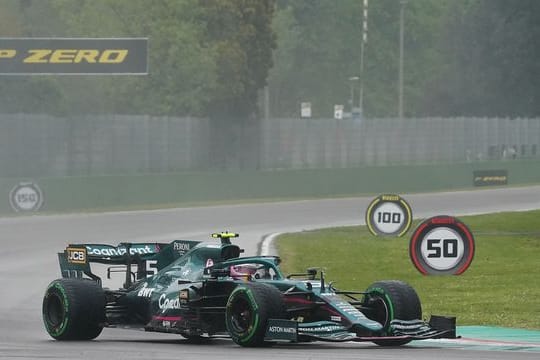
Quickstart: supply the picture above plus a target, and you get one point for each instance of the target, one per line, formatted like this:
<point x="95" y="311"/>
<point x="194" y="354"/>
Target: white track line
<point x="267" y="245"/>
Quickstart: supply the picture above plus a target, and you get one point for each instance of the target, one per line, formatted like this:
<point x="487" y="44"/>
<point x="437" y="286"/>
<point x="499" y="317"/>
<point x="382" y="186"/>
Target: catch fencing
<point x="329" y="143"/>
<point x="42" y="145"/>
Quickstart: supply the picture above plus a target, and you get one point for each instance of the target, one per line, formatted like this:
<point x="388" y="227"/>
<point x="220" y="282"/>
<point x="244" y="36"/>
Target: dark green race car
<point x="201" y="290"/>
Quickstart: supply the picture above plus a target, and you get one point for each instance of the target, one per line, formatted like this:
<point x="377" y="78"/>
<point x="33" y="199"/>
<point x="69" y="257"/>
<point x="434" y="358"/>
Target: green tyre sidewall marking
<point x="253" y="327"/>
<point x="382" y="293"/>
<point x="56" y="289"/>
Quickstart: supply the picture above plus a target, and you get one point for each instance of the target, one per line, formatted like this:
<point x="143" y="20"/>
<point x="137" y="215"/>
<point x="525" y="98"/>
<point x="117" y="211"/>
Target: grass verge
<point x="501" y="287"/>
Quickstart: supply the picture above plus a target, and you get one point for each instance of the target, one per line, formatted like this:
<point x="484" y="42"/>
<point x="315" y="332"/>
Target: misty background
<point x="227" y="78"/>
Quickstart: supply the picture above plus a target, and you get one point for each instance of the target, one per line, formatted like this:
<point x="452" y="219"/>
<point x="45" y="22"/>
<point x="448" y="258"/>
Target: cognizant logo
<point x="119" y="251"/>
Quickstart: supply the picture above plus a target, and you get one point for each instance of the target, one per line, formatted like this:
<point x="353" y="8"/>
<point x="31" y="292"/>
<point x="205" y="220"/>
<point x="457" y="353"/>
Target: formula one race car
<point x="206" y="289"/>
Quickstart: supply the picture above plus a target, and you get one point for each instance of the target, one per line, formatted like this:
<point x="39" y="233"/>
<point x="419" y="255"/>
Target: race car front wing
<point x="290" y="330"/>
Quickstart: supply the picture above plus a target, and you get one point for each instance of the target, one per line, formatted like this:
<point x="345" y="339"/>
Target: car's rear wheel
<point x="248" y="309"/>
<point x="389" y="300"/>
<point x="74" y="309"/>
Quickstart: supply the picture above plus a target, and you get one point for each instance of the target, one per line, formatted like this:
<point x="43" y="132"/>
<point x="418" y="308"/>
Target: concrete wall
<point x="68" y="194"/>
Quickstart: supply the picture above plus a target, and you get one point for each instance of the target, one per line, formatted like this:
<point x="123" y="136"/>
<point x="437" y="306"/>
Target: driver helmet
<point x="244" y="270"/>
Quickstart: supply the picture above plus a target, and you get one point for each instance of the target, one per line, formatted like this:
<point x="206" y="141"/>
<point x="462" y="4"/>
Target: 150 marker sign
<point x="73" y="56"/>
<point x="26" y="196"/>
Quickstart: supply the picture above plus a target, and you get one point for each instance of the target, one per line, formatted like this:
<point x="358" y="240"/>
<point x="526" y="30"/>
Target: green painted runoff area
<point x="128" y="192"/>
<point x="487" y="338"/>
<point x="499" y="334"/>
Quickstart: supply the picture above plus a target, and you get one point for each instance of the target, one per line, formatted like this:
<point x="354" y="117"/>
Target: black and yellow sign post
<point x="388" y="215"/>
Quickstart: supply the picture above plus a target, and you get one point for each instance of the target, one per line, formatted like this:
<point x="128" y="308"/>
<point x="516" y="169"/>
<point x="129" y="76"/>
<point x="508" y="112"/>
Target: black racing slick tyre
<point x="248" y="309"/>
<point x="74" y="309"/>
<point x="389" y="300"/>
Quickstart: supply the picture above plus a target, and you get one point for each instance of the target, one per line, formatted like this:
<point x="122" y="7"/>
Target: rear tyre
<point x="74" y="309"/>
<point x="392" y="299"/>
<point x="248" y="309"/>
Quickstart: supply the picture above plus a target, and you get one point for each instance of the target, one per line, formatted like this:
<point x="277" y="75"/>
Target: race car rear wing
<point x="148" y="257"/>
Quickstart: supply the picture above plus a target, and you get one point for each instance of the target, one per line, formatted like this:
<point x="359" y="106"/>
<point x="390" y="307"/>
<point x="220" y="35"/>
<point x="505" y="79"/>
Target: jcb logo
<point x="67" y="56"/>
<point x="76" y="255"/>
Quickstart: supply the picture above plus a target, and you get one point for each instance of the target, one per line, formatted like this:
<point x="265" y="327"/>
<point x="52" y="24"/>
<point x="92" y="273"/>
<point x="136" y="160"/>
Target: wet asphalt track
<point x="28" y="263"/>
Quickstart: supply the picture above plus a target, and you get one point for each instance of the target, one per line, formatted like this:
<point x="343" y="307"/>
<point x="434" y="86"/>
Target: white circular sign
<point x="389" y="217"/>
<point x="442" y="248"/>
<point x="442" y="245"/>
<point x="26" y="196"/>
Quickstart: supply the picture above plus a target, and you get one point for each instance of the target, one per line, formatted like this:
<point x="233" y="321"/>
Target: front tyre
<point x="248" y="309"/>
<point x="389" y="300"/>
<point x="74" y="309"/>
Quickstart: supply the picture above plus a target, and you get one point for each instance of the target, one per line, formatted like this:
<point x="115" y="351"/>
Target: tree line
<point x="212" y="58"/>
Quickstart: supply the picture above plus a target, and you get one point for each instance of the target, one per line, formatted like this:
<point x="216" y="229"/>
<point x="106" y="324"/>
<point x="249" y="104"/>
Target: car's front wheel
<point x="248" y="309"/>
<point x="389" y="300"/>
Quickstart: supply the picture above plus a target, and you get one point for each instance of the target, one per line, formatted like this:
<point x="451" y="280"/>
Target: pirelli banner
<point x="73" y="56"/>
<point x="490" y="177"/>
